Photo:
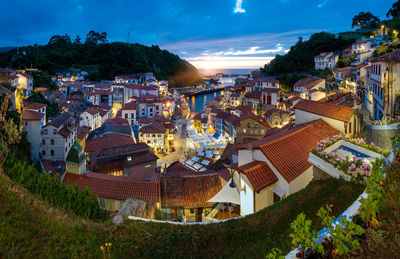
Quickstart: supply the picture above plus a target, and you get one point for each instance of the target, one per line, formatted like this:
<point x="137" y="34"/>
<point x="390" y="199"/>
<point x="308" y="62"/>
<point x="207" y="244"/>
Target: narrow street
<point x="181" y="150"/>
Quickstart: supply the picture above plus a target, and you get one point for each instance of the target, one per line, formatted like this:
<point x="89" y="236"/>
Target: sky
<point x="208" y="33"/>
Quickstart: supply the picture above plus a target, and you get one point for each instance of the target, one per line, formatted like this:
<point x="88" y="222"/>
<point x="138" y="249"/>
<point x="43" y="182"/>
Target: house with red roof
<point x="271" y="168"/>
<point x="253" y="99"/>
<point x="149" y="106"/>
<point x="137" y="90"/>
<point x="128" y="112"/>
<point x="303" y="87"/>
<point x="342" y="118"/>
<point x="33" y="122"/>
<point x="270" y="96"/>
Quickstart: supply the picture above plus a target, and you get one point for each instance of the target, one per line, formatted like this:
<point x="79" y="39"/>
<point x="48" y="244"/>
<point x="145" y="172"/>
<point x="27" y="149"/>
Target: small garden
<point x="374" y="232"/>
<point x="386" y="121"/>
<point x="355" y="167"/>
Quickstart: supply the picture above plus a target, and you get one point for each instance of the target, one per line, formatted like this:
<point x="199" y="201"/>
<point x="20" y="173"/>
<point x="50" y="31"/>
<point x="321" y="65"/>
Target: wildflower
<point x="365" y="179"/>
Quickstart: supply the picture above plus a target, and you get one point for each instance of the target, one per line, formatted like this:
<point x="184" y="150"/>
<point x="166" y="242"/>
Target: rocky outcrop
<point x="137" y="208"/>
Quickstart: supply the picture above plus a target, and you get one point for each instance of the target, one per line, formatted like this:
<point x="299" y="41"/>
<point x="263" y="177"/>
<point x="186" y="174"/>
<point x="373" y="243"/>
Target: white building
<point x="326" y="60"/>
<point x="273" y="168"/>
<point x="235" y="99"/>
<point x="383" y="85"/>
<point x="149" y="106"/>
<point x="154" y="136"/>
<point x="58" y="136"/>
<point x="129" y="112"/>
<point x="270" y="96"/>
<point x="304" y="86"/>
<point x="25" y="83"/>
<point x="91" y="118"/>
<point x="33" y="122"/>
<point x="133" y="90"/>
<point x="266" y="83"/>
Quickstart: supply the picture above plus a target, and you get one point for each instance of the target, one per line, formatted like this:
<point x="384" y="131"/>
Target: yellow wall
<point x="264" y="198"/>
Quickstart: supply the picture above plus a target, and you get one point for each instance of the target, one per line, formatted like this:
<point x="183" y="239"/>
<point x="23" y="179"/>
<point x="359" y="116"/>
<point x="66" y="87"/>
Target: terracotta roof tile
<point x="259" y="174"/>
<point x="190" y="190"/>
<point x="107" y="141"/>
<point x="116" y="187"/>
<point x="333" y="111"/>
<point x="288" y="150"/>
<point x="33" y="106"/>
<point x="308" y="83"/>
<point x="28" y="115"/>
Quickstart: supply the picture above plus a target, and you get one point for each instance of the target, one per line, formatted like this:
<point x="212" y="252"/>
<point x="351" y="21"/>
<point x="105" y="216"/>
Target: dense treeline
<point x="101" y="59"/>
<point x="300" y="57"/>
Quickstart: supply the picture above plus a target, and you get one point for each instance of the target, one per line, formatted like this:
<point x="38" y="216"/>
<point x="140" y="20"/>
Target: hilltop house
<point x="326" y="60"/>
<point x="33" y="123"/>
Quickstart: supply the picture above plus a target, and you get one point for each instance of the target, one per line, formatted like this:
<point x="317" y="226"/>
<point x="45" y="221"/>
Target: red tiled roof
<point x="115" y="187"/>
<point x="267" y="79"/>
<point x="28" y="115"/>
<point x="144" y="174"/>
<point x="253" y="95"/>
<point x="33" y="106"/>
<point x="107" y="141"/>
<point x="118" y="121"/>
<point x="333" y="111"/>
<point x="308" y="83"/>
<point x="259" y="174"/>
<point x="130" y="106"/>
<point x="155" y="127"/>
<point x="393" y="56"/>
<point x="53" y="167"/>
<point x="288" y="150"/>
<point x="99" y="92"/>
<point x="254" y="117"/>
<point x="189" y="190"/>
<point x="83" y="131"/>
<point x="92" y="111"/>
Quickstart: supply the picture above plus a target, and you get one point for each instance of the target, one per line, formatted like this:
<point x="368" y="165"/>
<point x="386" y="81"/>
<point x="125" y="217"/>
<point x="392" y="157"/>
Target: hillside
<point x="103" y="61"/>
<point x="31" y="228"/>
<point x="300" y="57"/>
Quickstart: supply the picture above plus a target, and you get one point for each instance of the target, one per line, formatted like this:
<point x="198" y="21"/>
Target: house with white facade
<point x="90" y="118"/>
<point x="304" y="86"/>
<point x="383" y="85"/>
<point x="270" y="96"/>
<point x="58" y="136"/>
<point x="149" y="106"/>
<point x="326" y="60"/>
<point x="124" y="79"/>
<point x="276" y="166"/>
<point x="266" y="82"/>
<point x="33" y="122"/>
<point x="342" y="118"/>
<point x="235" y="99"/>
<point x="25" y="83"/>
<point x="37" y="107"/>
<point x="134" y="90"/>
<point x="154" y="136"/>
<point x="253" y="99"/>
<point x="128" y="112"/>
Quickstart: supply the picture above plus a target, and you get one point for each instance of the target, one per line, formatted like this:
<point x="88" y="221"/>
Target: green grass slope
<point x="29" y="228"/>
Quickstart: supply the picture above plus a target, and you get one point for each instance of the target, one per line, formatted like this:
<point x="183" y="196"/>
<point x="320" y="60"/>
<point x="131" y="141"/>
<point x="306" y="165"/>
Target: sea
<point x="236" y="71"/>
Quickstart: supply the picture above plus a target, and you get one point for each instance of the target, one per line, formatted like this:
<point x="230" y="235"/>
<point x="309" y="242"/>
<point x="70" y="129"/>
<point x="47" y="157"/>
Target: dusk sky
<point x="208" y="33"/>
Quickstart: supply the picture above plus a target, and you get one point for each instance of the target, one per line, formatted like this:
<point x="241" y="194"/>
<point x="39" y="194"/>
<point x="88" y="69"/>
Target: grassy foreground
<point x="31" y="229"/>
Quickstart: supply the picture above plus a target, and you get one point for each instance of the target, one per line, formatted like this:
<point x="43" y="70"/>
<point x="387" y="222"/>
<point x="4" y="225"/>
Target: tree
<point x="395" y="10"/>
<point x="365" y="20"/>
<point x="59" y="41"/>
<point x="96" y="38"/>
<point x="345" y="61"/>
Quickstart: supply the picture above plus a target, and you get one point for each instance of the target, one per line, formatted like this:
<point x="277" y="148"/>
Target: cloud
<point x="238" y="7"/>
<point x="323" y="3"/>
<point x="251" y="51"/>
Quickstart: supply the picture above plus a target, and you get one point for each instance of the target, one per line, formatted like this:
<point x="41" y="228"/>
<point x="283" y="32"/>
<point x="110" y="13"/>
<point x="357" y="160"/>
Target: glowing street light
<point x="395" y="33"/>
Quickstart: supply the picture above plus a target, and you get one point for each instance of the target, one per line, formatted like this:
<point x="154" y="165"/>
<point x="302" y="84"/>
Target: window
<point x="244" y="130"/>
<point x="44" y="152"/>
<point x="159" y="136"/>
<point x="154" y="135"/>
<point x="43" y="142"/>
<point x="350" y="127"/>
<point x="51" y="141"/>
<point x="52" y="152"/>
<point x="45" y="132"/>
<point x="126" y="116"/>
<point x="132" y="115"/>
